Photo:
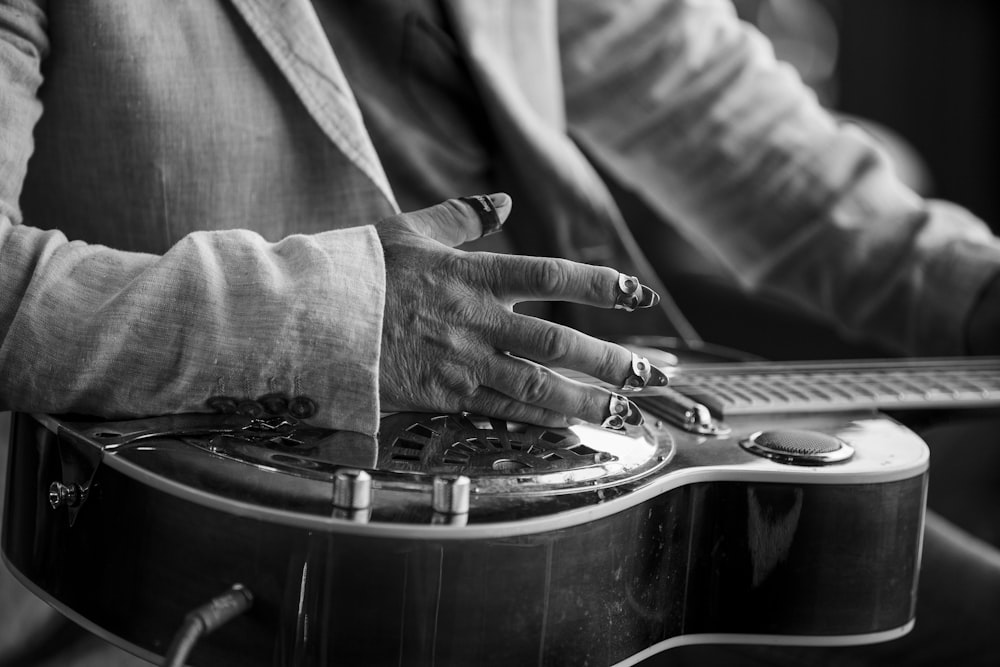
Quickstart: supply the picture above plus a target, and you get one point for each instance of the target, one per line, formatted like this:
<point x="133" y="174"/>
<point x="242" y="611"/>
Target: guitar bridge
<point x="682" y="411"/>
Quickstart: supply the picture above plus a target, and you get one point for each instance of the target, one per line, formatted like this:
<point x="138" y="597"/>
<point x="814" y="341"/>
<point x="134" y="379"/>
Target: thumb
<point x="456" y="221"/>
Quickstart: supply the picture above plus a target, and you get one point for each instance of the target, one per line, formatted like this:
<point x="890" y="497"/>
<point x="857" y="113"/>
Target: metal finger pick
<point x="621" y="412"/>
<point x="643" y="374"/>
<point x="632" y="294"/>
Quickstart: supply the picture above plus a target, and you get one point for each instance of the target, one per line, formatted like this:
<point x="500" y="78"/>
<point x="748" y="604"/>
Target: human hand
<point x="451" y="341"/>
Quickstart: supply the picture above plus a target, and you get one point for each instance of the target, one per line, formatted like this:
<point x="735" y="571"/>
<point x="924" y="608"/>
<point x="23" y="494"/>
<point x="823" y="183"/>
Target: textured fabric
<point x="420" y="103"/>
<point x="205" y="178"/>
<point x="687" y="106"/>
<point x="112" y="333"/>
<point x="179" y="120"/>
<point x="195" y="116"/>
<point x="571" y="213"/>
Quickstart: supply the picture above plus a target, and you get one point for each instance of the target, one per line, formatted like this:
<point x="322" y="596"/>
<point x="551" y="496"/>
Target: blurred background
<point x="924" y="68"/>
<point x="920" y="76"/>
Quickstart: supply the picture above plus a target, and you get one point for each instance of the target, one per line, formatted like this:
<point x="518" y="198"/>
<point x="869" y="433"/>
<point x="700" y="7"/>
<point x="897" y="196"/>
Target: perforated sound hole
<point x="799" y="447"/>
<point x="473" y="445"/>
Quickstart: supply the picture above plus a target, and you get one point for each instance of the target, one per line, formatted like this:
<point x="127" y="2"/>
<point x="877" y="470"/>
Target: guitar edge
<point x="700" y="554"/>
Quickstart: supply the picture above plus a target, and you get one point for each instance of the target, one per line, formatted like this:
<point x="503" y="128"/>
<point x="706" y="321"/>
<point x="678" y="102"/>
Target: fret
<point x="824" y="386"/>
<point x="827" y="386"/>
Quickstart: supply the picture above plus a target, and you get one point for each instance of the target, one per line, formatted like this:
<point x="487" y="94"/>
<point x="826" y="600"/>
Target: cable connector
<point x="206" y="619"/>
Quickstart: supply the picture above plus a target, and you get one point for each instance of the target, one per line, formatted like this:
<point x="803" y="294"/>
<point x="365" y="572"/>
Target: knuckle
<point x="453" y="312"/>
<point x="457" y="211"/>
<point x="594" y="405"/>
<point x="492" y="268"/>
<point x="459" y="266"/>
<point x="547" y="276"/>
<point x="537" y="385"/>
<point x="465" y="327"/>
<point x="459" y="387"/>
<point x="553" y="344"/>
<point x="488" y="403"/>
<point x="603" y="284"/>
<point x="457" y="208"/>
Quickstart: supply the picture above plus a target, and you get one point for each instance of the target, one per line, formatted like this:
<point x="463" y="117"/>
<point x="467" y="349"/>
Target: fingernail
<point x="503" y="204"/>
<point x="500" y="199"/>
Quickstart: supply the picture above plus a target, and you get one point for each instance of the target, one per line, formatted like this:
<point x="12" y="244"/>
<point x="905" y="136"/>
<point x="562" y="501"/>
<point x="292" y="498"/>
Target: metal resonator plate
<point x="505" y="456"/>
<point x="498" y="456"/>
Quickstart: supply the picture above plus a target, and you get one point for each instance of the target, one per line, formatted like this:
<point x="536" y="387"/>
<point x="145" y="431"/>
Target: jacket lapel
<point x="513" y="51"/>
<point x="514" y="46"/>
<point x="292" y="35"/>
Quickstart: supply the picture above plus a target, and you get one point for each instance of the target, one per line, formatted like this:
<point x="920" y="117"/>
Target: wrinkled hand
<point x="451" y="341"/>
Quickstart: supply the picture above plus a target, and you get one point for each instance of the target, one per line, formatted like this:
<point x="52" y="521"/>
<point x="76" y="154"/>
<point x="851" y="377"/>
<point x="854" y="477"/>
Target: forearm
<point x="727" y="143"/>
<point x="23" y="45"/>
<point x="92" y="330"/>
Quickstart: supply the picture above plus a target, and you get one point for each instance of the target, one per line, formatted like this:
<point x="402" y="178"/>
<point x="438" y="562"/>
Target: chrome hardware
<point x="621" y="411"/>
<point x="643" y="374"/>
<point x="439" y="519"/>
<point x="614" y="423"/>
<point x="450" y="494"/>
<point x="685" y="412"/>
<point x="352" y="489"/>
<point x="68" y="495"/>
<point x="628" y="293"/>
<point x="639" y="375"/>
<point x="502" y="457"/>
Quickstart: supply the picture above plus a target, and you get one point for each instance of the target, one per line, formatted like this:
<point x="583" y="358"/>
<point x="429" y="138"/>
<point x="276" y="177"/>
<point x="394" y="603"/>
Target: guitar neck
<point x="762" y="387"/>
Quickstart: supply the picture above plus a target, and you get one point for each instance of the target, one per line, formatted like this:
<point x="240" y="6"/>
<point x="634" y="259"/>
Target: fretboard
<point x="753" y="388"/>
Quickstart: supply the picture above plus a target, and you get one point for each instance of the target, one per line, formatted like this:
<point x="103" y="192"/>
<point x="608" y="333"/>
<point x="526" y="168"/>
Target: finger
<point x="491" y="403"/>
<point x="486" y="207"/>
<point x="456" y="221"/>
<point x="536" y="385"/>
<point x="515" y="278"/>
<point x="556" y="345"/>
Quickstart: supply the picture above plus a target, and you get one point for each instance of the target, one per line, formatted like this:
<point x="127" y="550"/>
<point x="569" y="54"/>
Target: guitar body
<point x="579" y="546"/>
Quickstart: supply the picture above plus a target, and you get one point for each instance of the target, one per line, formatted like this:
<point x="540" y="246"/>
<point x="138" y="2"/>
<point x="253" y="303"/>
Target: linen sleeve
<point x="88" y="329"/>
<point x="687" y="105"/>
